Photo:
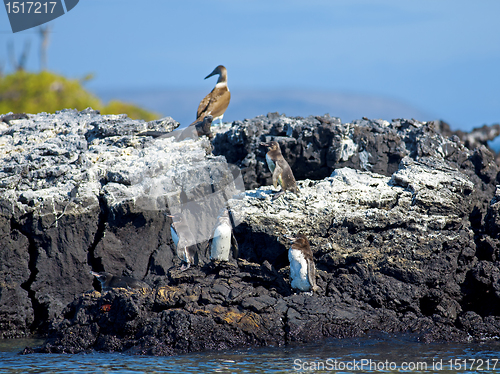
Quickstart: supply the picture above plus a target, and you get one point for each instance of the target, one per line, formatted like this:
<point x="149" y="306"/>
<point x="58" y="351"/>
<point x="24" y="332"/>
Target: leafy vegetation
<point x="27" y="92"/>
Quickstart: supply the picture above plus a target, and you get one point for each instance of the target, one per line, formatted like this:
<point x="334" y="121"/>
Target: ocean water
<point x="495" y="144"/>
<point x="378" y="353"/>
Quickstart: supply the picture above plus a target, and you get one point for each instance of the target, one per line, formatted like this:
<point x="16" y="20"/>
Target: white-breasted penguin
<point x="282" y="173"/>
<point x="302" y="268"/>
<point x="109" y="281"/>
<point x="217" y="101"/>
<point x="223" y="239"/>
<point x="184" y="241"/>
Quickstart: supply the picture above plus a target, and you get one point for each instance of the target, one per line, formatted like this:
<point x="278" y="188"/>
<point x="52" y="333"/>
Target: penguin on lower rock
<point x="223" y="239"/>
<point x="184" y="241"/>
<point x="302" y="268"/>
<point x="109" y="281"/>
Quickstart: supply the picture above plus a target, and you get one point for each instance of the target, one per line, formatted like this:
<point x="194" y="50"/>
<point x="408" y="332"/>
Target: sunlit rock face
<point x="402" y="221"/>
<point x="81" y="191"/>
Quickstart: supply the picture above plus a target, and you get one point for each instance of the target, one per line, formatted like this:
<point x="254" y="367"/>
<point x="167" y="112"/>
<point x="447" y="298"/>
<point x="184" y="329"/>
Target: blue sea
<point x="379" y="353"/>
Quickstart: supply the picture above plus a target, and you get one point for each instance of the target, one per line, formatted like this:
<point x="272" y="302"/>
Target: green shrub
<point x="25" y="92"/>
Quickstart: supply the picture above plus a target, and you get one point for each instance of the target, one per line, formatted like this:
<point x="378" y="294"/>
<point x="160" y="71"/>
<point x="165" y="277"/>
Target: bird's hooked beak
<point x="265" y="145"/>
<point x="291" y="238"/>
<point x="95" y="274"/>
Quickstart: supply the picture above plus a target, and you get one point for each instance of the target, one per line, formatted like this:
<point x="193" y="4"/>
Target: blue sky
<point x="440" y="58"/>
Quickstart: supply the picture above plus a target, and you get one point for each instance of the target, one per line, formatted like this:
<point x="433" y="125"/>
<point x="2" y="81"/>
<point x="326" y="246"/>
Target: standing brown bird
<point x="217" y="101"/>
<point x="282" y="173"/>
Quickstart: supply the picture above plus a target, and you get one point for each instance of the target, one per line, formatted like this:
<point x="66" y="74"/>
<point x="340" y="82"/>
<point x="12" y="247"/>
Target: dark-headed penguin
<point x="184" y="241"/>
<point x="109" y="281"/>
<point x="223" y="239"/>
<point x="282" y="173"/>
<point x="302" y="268"/>
<point x="217" y="101"/>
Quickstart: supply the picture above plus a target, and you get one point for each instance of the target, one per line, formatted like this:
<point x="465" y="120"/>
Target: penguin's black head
<point x="224" y="217"/>
<point x="299" y="240"/>
<point x="273" y="145"/>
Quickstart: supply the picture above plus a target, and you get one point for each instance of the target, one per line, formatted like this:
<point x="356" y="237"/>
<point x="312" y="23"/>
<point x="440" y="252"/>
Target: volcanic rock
<point x="81" y="192"/>
<point x="403" y="224"/>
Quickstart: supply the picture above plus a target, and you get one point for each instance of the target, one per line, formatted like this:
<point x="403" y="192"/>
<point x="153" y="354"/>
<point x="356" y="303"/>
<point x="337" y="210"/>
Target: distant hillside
<point x="182" y="104"/>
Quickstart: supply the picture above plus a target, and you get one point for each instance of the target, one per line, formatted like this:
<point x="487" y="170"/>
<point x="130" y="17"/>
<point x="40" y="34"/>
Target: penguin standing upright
<point x="302" y="268"/>
<point x="282" y="173"/>
<point x="184" y="241"/>
<point x="223" y="239"/>
<point x="217" y="101"/>
<point x="109" y="281"/>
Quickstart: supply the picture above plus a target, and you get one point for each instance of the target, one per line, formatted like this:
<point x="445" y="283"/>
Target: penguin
<point x="184" y="241"/>
<point x="223" y="239"/>
<point x="302" y="268"/>
<point x="109" y="281"/>
<point x="217" y="101"/>
<point x="282" y="173"/>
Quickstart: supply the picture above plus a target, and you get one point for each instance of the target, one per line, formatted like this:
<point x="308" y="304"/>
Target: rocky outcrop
<point x="317" y="145"/>
<point x="393" y="254"/>
<point x="473" y="139"/>
<point x="403" y="223"/>
<point x="81" y="192"/>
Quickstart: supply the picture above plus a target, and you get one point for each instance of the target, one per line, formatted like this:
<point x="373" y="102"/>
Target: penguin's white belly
<point x="175" y="238"/>
<point x="179" y="247"/>
<point x="298" y="270"/>
<point x="221" y="243"/>
<point x="270" y="163"/>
